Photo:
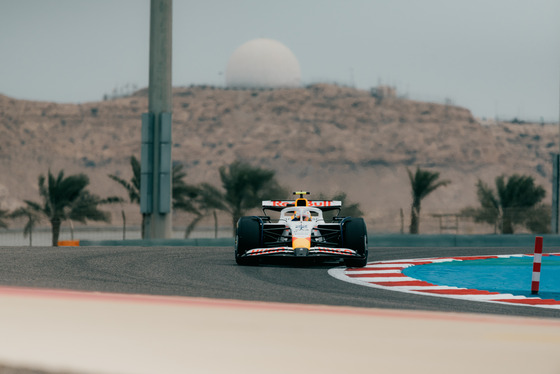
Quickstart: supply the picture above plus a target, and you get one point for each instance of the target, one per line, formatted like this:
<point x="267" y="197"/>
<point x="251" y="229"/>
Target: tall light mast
<point x="155" y="199"/>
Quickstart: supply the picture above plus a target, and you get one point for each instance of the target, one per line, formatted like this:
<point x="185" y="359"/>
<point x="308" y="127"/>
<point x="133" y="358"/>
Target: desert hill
<point x="323" y="138"/>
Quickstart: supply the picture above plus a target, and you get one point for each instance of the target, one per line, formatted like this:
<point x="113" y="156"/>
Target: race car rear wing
<point x="324" y="205"/>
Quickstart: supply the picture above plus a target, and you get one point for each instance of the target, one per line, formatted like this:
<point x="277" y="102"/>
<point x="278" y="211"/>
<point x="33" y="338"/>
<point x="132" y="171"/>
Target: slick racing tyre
<point x="248" y="236"/>
<point x="354" y="233"/>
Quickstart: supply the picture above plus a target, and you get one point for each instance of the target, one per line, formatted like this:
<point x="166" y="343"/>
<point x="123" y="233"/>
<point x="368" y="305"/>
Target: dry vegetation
<point x="323" y="138"/>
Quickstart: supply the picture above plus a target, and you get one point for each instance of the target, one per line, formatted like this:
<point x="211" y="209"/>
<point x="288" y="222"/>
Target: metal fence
<point x="395" y="221"/>
<point x="398" y="222"/>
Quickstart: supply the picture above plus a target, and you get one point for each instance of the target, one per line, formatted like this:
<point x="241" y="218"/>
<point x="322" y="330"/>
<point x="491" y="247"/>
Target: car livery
<point x="301" y="231"/>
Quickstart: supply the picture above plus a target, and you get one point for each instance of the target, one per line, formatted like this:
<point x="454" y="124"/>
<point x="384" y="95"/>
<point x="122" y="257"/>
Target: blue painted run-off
<point x="504" y="275"/>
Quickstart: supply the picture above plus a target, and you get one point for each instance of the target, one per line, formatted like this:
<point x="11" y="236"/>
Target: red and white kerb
<point x="388" y="275"/>
<point x="537" y="259"/>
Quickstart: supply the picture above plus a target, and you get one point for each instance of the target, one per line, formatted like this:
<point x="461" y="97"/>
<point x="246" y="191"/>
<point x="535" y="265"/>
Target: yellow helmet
<point x="303" y="216"/>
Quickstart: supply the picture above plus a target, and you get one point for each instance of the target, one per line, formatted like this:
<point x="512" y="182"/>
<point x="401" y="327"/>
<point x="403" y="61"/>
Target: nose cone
<point x="301" y="243"/>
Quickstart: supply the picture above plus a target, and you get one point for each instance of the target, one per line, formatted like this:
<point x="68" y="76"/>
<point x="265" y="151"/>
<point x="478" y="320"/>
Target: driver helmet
<point x="304" y="216"/>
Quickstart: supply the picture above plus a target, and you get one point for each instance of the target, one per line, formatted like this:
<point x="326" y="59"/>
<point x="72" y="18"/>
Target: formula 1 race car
<point x="301" y="232"/>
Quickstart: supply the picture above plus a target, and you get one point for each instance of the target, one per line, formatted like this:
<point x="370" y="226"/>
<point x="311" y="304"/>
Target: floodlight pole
<point x="156" y="127"/>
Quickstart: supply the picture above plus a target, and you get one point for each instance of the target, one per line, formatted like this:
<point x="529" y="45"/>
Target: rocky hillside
<point x="323" y="138"/>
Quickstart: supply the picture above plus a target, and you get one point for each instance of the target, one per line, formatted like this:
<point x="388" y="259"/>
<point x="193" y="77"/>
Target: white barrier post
<point x="537" y="259"/>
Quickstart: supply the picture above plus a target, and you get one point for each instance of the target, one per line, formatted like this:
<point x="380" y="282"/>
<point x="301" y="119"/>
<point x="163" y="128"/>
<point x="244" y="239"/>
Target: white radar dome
<point x="263" y="63"/>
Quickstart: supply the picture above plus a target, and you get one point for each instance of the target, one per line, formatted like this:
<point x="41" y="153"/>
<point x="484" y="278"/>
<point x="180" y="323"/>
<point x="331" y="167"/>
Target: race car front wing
<point x="302" y="252"/>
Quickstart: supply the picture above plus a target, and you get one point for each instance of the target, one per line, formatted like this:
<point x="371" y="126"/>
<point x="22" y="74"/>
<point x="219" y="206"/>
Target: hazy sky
<point x="494" y="57"/>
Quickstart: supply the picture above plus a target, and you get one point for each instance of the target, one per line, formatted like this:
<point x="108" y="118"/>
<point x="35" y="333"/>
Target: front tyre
<point x="354" y="233"/>
<point x="248" y="236"/>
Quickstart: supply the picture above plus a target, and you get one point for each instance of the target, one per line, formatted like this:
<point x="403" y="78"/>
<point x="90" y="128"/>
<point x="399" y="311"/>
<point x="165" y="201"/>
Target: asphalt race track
<point x="211" y="272"/>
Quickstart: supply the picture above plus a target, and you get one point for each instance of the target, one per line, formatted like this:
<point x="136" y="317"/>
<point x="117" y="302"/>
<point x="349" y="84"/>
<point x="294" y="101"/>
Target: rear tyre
<point x="355" y="237"/>
<point x="248" y="236"/>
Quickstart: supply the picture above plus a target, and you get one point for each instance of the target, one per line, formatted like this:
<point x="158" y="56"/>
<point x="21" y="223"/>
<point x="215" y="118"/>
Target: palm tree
<point x="32" y="219"/>
<point x="66" y="198"/>
<point x="132" y="188"/>
<point x="208" y="200"/>
<point x="515" y="201"/>
<point x="3" y="214"/>
<point x="538" y="219"/>
<point x="423" y="183"/>
<point x="245" y="187"/>
<point x="182" y="193"/>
